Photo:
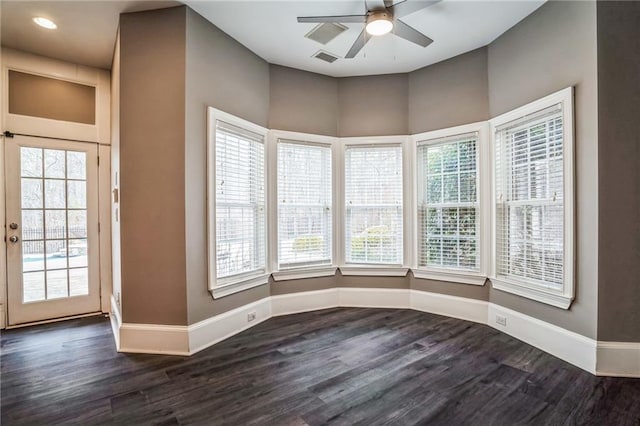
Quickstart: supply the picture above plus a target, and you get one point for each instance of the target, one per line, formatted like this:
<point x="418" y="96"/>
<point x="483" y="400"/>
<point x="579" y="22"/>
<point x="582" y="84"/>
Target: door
<point x="52" y="229"/>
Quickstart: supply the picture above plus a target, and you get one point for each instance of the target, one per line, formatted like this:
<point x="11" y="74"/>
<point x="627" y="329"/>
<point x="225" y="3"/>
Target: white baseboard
<point x="451" y="306"/>
<point x="601" y="358"/>
<point x="305" y="301"/>
<point x="566" y="345"/>
<point x="215" y="329"/>
<point x="116" y="322"/>
<point x="154" y="339"/>
<point x="373" y="297"/>
<point x="3" y="322"/>
<point x="620" y="359"/>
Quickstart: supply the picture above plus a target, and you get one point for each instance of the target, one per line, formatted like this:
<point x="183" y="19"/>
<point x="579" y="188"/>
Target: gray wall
<point x="619" y="171"/>
<point x="374" y="105"/>
<point x="221" y="73"/>
<point x="302" y="101"/>
<point x="152" y="124"/>
<point x="552" y="49"/>
<point x="449" y="93"/>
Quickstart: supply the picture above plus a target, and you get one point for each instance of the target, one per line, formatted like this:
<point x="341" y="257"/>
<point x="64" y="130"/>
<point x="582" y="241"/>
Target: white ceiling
<point x="269" y="29"/>
<point x="87" y="29"/>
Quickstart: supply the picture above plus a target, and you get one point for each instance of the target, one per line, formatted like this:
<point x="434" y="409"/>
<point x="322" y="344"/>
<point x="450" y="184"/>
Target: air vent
<point x="325" y="56"/>
<point x="324" y="33"/>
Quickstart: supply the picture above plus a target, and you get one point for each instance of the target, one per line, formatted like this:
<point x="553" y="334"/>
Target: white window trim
<point x="407" y="185"/>
<point x="484" y="205"/>
<point x="374" y="271"/>
<point x="564" y="297"/>
<point x="300" y="273"/>
<point x="272" y="205"/>
<point x="225" y="287"/>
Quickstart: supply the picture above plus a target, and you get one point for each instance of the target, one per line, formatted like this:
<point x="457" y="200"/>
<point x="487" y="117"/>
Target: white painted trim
<point x="374" y="271"/>
<point x="483" y="189"/>
<point x="154" y="339"/>
<point x="3" y="322"/>
<point x="274" y="137"/>
<point x="218" y="289"/>
<point x="613" y="358"/>
<point x="451" y="306"/>
<point x="566" y="345"/>
<point x="452" y="277"/>
<point x="52" y="68"/>
<point x="116" y="321"/>
<point x="373" y="297"/>
<point x="300" y="273"/>
<point x="563" y="298"/>
<point x="3" y="245"/>
<point x="550" y="298"/>
<point x="293" y="303"/>
<point x="104" y="226"/>
<point x="619" y="359"/>
<point x="235" y="287"/>
<point x="215" y="329"/>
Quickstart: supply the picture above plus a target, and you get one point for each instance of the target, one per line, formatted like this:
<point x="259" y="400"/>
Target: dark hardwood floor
<point x="336" y="366"/>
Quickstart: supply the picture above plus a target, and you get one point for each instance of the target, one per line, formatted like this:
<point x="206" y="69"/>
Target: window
<point x="373" y="204"/>
<point x="533" y="204"/>
<point x="237" y="187"/>
<point x="448" y="208"/>
<point x="304" y="205"/>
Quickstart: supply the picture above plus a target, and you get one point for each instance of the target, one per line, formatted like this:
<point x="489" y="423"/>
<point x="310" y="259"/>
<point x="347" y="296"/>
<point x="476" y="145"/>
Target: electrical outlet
<point x="501" y="319"/>
<point x="251" y="316"/>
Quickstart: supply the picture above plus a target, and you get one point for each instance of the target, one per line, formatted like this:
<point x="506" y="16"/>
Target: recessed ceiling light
<point x="45" y="23"/>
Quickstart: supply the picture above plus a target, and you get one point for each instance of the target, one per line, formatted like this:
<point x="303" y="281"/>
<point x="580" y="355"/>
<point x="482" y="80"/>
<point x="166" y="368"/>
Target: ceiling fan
<point x="380" y="19"/>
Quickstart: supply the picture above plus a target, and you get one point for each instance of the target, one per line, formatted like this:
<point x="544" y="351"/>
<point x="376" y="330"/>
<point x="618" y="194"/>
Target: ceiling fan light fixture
<point x="379" y="23"/>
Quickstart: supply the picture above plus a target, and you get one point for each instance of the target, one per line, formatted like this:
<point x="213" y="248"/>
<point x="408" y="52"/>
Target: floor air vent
<point x="325" y="56"/>
<point x="324" y="33"/>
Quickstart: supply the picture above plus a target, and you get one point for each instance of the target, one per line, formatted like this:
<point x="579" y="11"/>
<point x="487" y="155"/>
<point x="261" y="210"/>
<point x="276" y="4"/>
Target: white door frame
<point x="40" y="65"/>
<point x="18" y="313"/>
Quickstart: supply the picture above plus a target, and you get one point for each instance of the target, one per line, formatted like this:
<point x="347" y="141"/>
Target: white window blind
<point x="530" y="199"/>
<point x="304" y="204"/>
<point x="448" y="209"/>
<point x="373" y="205"/>
<point x="240" y="202"/>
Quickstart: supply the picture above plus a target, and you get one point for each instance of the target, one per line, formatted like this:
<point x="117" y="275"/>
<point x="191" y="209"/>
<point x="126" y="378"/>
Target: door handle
<point x="14" y="239"/>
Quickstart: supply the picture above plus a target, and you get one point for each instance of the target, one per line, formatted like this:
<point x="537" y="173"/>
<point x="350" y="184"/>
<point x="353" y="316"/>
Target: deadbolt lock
<point x="13" y="225"/>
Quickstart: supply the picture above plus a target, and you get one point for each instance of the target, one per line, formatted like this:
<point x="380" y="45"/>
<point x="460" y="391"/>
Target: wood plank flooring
<point x="342" y="366"/>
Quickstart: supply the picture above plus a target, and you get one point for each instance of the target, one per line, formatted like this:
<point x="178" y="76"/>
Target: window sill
<point x="296" y="274"/>
<point x="374" y="271"/>
<point x="453" y="276"/>
<point x="547" y="297"/>
<point x="235" y="287"/>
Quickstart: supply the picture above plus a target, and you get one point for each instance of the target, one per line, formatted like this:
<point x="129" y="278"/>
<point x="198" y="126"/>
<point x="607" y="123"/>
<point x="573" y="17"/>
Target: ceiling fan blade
<point x="337" y="19"/>
<point x="407" y="7"/>
<point x="406" y="32"/>
<point x="362" y="39"/>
